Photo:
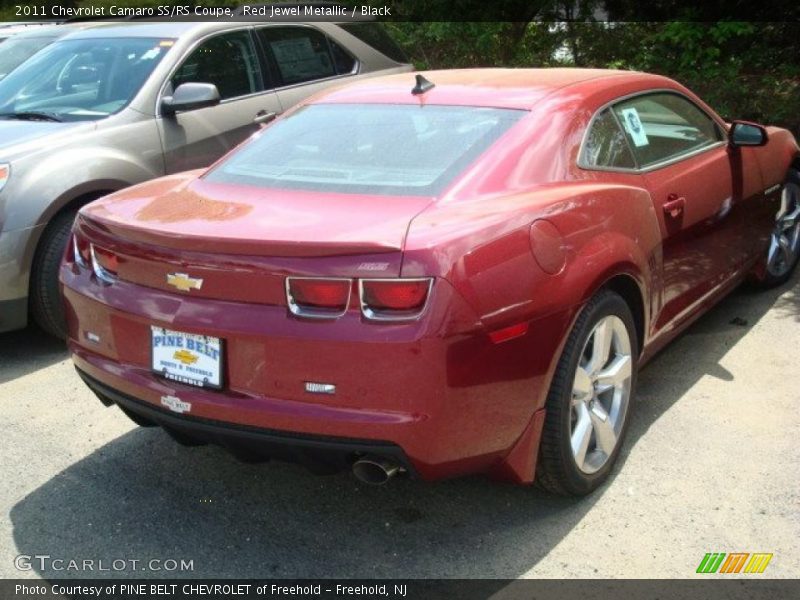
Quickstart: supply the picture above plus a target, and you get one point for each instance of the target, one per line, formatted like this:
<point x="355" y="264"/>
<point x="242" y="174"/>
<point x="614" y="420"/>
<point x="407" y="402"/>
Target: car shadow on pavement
<point x="28" y="350"/>
<point x="143" y="497"/>
<point x="699" y="350"/>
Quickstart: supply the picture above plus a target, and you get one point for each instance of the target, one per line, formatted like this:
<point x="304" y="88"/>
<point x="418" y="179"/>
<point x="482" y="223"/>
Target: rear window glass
<point x="371" y="149"/>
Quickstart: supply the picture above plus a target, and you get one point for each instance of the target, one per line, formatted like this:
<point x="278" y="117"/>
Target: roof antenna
<point x="423" y="85"/>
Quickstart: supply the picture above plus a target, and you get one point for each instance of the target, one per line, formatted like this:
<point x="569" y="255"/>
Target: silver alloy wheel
<point x="600" y="394"/>
<point x="785" y="242"/>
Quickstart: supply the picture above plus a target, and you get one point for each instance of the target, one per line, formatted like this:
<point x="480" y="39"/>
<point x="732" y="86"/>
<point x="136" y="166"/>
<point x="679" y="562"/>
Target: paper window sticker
<point x="151" y="54"/>
<point x="633" y="125"/>
<point x="296" y="49"/>
<point x="296" y="58"/>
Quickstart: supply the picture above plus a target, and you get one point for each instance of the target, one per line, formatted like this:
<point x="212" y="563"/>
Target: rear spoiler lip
<point x="113" y="231"/>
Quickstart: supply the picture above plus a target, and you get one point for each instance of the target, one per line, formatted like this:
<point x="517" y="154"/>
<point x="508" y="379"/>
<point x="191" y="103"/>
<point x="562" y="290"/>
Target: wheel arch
<point x="628" y="280"/>
<point x="619" y="262"/>
<point x="520" y="464"/>
<point x="628" y="288"/>
<point x="80" y="194"/>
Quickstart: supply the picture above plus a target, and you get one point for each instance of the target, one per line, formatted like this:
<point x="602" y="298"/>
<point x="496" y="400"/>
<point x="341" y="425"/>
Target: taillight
<point x="80" y="250"/>
<point x="5" y="171"/>
<point x="394" y="299"/>
<point x="318" y="297"/>
<point x="104" y="263"/>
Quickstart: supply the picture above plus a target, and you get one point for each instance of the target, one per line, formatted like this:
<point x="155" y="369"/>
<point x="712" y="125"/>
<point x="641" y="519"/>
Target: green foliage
<point x="743" y="70"/>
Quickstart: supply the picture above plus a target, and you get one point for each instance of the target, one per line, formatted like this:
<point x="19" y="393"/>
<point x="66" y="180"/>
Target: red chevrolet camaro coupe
<point x="436" y="274"/>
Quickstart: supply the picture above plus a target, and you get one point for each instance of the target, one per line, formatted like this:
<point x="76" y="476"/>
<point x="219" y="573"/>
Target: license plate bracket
<point x="188" y="358"/>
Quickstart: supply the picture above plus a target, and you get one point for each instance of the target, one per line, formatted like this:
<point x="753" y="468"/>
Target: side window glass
<point x="345" y="64"/>
<point x="664" y="126"/>
<point x="605" y="145"/>
<point x="301" y="53"/>
<point x="228" y="61"/>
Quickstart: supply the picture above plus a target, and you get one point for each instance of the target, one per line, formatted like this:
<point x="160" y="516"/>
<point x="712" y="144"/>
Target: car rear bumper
<point x="438" y="389"/>
<point x="319" y="453"/>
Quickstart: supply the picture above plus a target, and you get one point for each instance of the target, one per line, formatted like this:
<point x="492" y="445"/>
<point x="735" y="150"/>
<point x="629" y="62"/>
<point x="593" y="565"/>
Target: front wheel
<point x="590" y="399"/>
<point x="784" y="246"/>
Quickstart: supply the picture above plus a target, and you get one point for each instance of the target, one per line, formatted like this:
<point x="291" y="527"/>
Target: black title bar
<point x="407" y="10"/>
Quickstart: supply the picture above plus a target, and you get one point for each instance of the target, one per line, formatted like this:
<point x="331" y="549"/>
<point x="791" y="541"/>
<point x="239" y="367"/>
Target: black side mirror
<point x="190" y="96"/>
<point x="744" y="133"/>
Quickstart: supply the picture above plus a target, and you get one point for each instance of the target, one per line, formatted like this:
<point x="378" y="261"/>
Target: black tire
<point x="557" y="471"/>
<point x="770" y="280"/>
<point x="46" y="305"/>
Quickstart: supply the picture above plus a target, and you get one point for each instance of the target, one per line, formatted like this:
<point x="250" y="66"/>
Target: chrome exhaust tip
<point x="374" y="471"/>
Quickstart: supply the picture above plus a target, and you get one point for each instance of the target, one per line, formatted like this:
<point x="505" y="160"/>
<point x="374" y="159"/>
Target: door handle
<point x="263" y="117"/>
<point x="674" y="205"/>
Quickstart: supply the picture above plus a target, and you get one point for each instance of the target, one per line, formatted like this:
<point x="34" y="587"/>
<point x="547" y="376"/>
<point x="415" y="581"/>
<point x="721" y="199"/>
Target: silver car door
<point x="196" y="138"/>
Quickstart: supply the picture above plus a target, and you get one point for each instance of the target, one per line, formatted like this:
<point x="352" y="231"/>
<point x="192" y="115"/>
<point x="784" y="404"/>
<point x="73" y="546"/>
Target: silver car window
<point x="228" y="61"/>
<point x="81" y="79"/>
<point x="303" y="54"/>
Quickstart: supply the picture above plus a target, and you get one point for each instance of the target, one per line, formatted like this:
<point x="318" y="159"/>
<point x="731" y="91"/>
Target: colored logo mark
<point x="183" y="282"/>
<point x="185" y="357"/>
<point x="734" y="562"/>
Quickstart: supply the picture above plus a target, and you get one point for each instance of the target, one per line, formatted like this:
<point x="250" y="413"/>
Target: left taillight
<point x="80" y="250"/>
<point x="318" y="297"/>
<point x="105" y="263"/>
<point x="5" y="173"/>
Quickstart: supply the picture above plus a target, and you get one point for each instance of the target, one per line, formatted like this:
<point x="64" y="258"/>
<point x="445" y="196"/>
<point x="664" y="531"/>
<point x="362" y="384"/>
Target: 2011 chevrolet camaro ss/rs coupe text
<point x="435" y="274"/>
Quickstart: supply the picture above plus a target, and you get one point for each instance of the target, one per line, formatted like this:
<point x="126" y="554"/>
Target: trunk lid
<point x="240" y="242"/>
<point x="187" y="213"/>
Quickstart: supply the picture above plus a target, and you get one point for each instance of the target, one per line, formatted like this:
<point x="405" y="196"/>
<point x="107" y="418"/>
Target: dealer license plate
<point x="187" y="357"/>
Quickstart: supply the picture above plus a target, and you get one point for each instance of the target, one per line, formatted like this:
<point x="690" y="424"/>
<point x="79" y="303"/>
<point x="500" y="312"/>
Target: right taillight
<point x="318" y="297"/>
<point x="394" y="299"/>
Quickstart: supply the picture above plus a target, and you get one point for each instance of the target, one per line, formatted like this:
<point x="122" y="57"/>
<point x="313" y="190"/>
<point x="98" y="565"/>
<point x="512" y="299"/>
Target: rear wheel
<point x="46" y="305"/>
<point x="784" y="246"/>
<point x="589" y="404"/>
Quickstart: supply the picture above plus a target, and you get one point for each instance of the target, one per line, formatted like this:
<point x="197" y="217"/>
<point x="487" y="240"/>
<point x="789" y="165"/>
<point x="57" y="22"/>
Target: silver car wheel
<point x="600" y="394"/>
<point x="785" y="242"/>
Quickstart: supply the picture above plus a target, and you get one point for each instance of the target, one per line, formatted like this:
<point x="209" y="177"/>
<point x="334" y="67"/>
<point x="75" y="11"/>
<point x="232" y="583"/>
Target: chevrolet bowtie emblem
<point x="183" y="282"/>
<point x="185" y="357"/>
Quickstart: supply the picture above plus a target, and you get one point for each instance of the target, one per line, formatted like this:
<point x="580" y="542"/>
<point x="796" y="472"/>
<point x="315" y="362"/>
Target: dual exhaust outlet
<point x="375" y="470"/>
